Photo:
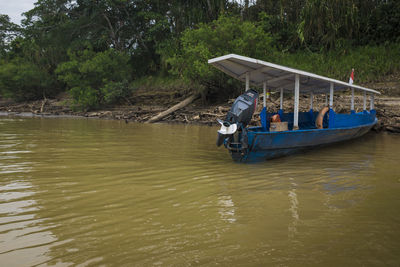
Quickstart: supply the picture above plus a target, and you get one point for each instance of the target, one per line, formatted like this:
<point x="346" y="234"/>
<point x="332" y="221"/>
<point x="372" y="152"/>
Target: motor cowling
<point x="239" y="116"/>
<point x="243" y="108"/>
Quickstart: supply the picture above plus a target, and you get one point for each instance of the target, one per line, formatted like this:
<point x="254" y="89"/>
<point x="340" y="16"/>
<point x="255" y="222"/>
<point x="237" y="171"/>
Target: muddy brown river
<point x="79" y="192"/>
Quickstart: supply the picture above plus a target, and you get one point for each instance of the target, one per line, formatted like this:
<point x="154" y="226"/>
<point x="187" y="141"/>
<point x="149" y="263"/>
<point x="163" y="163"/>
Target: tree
<point x="326" y="22"/>
<point x="223" y="36"/>
<point x="8" y="32"/>
<point x="23" y="80"/>
<point x="95" y="78"/>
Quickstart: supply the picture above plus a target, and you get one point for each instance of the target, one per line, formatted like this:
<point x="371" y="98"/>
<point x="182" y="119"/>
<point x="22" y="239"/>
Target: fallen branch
<point x="43" y="104"/>
<point x="212" y="114"/>
<point x="180" y="105"/>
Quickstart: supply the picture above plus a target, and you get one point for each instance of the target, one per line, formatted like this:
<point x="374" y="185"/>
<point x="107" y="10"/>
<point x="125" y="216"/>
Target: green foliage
<point x="8" y="31"/>
<point x="283" y="32"/>
<point x="156" y="38"/>
<point x="324" y="22"/>
<point x="95" y="78"/>
<point x="329" y="24"/>
<point x="223" y="36"/>
<point x="383" y="23"/>
<point x="22" y="80"/>
<point x="114" y="91"/>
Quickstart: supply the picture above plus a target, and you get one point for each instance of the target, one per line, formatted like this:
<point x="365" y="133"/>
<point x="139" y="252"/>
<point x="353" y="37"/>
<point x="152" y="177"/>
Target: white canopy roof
<point x="278" y="76"/>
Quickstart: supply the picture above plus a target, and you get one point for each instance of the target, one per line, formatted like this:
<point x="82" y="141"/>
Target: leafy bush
<point x="96" y="78"/>
<point x="223" y="36"/>
<point x="23" y="80"/>
<point x="114" y="91"/>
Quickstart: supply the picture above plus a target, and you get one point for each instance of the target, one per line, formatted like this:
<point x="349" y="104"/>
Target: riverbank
<point x="144" y="105"/>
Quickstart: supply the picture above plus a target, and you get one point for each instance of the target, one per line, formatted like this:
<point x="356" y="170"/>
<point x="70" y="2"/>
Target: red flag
<point x="351" y="80"/>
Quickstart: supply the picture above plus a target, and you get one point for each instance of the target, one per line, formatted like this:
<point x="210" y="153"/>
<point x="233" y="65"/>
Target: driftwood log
<point x="180" y="105"/>
<point x="43" y="104"/>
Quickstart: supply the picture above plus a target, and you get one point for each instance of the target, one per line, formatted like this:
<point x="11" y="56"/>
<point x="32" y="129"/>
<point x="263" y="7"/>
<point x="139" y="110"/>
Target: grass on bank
<point x="371" y="63"/>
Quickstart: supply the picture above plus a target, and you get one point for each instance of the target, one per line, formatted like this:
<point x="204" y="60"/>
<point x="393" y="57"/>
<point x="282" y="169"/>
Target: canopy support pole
<point x="365" y="101"/>
<point x="326" y="99"/>
<point x="331" y="96"/>
<point x="371" y="104"/>
<point x="331" y="112"/>
<point x="352" y="101"/>
<point x="296" y="102"/>
<point x="263" y="114"/>
<point x="311" y="101"/>
<point x="280" y="112"/>
<point x="311" y="111"/>
<point x="247" y="81"/>
<point x="265" y="94"/>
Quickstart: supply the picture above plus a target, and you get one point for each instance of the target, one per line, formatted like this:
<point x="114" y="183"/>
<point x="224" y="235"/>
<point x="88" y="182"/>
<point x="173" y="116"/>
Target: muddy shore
<point x="144" y="107"/>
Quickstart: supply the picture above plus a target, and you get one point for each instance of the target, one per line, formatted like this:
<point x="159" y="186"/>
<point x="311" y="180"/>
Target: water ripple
<point x="93" y="192"/>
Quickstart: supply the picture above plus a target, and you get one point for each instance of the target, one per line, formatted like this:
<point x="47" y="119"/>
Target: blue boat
<point x="281" y="133"/>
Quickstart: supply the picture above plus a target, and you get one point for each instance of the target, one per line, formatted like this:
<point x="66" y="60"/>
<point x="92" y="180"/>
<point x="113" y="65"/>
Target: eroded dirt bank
<point x="144" y="105"/>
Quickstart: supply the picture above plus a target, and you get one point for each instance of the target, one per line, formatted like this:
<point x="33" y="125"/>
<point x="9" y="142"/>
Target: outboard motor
<point x="239" y="116"/>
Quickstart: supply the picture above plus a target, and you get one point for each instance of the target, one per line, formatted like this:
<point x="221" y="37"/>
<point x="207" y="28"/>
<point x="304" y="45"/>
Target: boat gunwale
<point x="249" y="130"/>
<point x="257" y="134"/>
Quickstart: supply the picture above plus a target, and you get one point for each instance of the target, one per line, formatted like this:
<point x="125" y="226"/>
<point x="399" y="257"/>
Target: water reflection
<point x="226" y="209"/>
<point x="293" y="208"/>
<point x="98" y="192"/>
<point x="22" y="240"/>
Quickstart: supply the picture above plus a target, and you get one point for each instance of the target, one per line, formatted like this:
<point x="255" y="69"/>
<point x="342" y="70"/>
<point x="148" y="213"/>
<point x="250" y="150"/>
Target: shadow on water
<point x="104" y="192"/>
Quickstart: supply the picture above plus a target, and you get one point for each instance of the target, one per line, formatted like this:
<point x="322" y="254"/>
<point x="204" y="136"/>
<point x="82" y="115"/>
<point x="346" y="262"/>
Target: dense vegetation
<point x="101" y="50"/>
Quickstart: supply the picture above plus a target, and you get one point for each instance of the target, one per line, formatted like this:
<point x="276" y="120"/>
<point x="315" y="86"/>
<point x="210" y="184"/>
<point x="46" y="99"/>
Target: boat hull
<point x="268" y="145"/>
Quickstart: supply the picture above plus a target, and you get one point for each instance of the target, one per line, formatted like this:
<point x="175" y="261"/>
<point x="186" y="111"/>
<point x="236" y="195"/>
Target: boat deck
<point x="307" y="120"/>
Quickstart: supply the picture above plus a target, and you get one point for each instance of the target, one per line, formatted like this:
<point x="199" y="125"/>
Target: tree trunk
<point x="180" y="105"/>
